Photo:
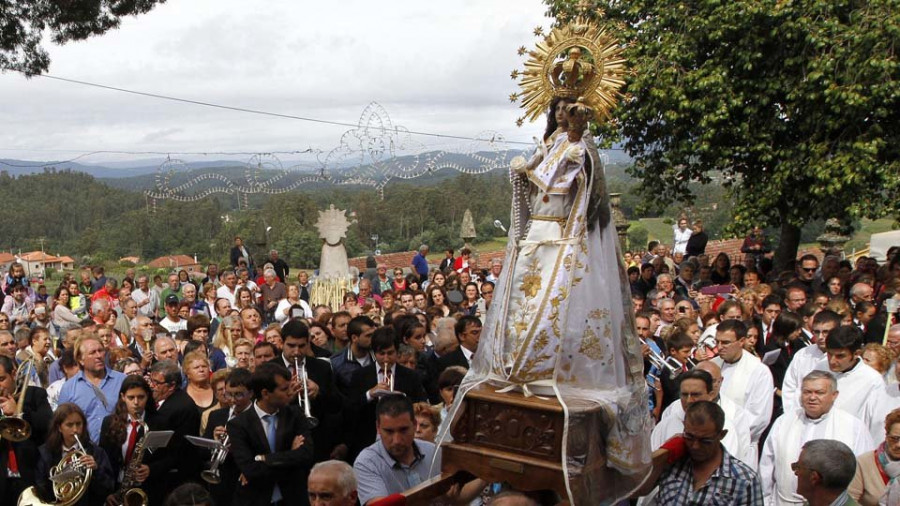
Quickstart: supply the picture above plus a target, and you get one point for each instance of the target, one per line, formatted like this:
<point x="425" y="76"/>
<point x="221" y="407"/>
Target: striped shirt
<point x="733" y="483"/>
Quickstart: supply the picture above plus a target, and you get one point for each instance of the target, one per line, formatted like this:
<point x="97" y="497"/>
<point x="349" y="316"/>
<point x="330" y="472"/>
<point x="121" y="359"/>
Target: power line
<point x="256" y="111"/>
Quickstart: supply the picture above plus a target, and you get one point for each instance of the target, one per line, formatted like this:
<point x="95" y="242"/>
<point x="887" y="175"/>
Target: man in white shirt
<point x="808" y="359"/>
<point x="745" y="379"/>
<point x="682" y="232"/>
<point x="818" y="419"/>
<point x="147" y="300"/>
<point x="861" y="386"/>
<point x="229" y="288"/>
<point x="697" y="385"/>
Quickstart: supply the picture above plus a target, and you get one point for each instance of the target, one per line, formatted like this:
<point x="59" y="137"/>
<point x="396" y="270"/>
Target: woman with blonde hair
<point x="229" y="331"/>
<point x="199" y="388"/>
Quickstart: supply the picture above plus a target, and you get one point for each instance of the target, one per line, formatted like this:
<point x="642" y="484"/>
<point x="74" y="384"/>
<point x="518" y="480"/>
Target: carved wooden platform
<point x="506" y="437"/>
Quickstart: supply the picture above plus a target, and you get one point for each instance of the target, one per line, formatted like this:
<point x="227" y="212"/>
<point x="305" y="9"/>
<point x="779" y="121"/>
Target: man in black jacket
<point x="238" y="387"/>
<point x="36" y="411"/>
<point x="271" y="443"/>
<point x="468" y="333"/>
<point x="375" y="380"/>
<point x="178" y="462"/>
<point x="325" y="400"/>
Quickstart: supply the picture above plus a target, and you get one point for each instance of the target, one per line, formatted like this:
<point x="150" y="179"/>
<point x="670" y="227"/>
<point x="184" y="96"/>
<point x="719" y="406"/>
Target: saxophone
<point x="130" y="494"/>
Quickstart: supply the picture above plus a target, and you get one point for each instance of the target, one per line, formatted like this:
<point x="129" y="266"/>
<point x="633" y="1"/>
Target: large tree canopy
<point x="794" y="105"/>
<point x="23" y="25"/>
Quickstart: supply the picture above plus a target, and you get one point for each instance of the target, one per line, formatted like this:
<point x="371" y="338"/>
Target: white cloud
<point x="441" y="67"/>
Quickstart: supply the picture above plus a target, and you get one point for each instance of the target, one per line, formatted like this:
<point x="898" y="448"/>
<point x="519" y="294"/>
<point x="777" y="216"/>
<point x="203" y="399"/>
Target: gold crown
<point x="577" y="59"/>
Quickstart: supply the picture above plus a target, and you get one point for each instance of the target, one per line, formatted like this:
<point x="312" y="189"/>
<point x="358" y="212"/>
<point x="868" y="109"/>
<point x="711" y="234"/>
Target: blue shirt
<point x="420" y="263"/>
<point x="379" y="475"/>
<point x="96" y="402"/>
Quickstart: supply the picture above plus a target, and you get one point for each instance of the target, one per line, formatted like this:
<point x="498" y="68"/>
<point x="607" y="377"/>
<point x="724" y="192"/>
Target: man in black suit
<point x="325" y="400"/>
<point x="238" y="387"/>
<point x="468" y="333"/>
<point x="175" y="410"/>
<point x="36" y="411"/>
<point x="271" y="443"/>
<point x="375" y="380"/>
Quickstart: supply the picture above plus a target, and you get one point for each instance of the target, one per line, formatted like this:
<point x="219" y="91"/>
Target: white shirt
<point x="468" y="354"/>
<point x="890" y="400"/>
<point x="224" y="293"/>
<point x="861" y="388"/>
<point x="681" y="239"/>
<point x="779" y="483"/>
<point x="749" y="384"/>
<point x="171" y="326"/>
<point x="149" y="309"/>
<point x="803" y="363"/>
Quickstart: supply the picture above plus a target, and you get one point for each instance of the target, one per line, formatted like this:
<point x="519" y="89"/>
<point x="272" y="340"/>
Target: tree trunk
<point x="788" y="243"/>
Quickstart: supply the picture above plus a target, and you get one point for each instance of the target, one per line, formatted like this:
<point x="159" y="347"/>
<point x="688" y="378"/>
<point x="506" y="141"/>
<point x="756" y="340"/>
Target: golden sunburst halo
<point x="577" y="59"/>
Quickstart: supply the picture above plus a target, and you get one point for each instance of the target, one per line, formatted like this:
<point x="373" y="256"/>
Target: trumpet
<point x="15" y="428"/>
<point x="389" y="377"/>
<point x="212" y="475"/>
<point x="303" y="397"/>
<point x="663" y="364"/>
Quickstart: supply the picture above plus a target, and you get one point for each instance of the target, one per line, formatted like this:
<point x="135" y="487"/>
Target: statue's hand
<point x="518" y="165"/>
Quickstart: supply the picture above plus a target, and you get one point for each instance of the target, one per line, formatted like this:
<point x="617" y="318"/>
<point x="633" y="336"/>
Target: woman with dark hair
<point x="127" y="424"/>
<point x="437" y="297"/>
<point x="412" y="282"/>
<point x="834" y="287"/>
<point x="788" y="334"/>
<point x="320" y="336"/>
<point x="68" y="432"/>
<point x="62" y="315"/>
<point x="721" y="272"/>
<point x="471" y="296"/>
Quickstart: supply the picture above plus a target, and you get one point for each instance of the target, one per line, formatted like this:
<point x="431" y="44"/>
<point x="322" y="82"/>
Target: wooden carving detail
<point x="534" y="432"/>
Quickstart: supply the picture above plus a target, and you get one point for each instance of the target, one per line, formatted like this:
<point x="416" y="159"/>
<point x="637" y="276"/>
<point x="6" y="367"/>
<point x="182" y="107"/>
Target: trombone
<point x="15" y="428"/>
<point x="303" y="397"/>
<point x="667" y="363"/>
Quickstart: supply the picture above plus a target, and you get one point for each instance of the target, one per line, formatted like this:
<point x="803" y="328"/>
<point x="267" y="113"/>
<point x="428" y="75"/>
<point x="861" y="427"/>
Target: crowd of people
<point x="299" y="403"/>
<point x="768" y="387"/>
<point x="294" y="403"/>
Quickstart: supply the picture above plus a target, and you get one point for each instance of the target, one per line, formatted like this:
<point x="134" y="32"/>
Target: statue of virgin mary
<point x="561" y="325"/>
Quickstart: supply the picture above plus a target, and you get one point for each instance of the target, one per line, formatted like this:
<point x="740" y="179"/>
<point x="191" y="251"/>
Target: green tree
<point x="793" y="106"/>
<point x="23" y="26"/>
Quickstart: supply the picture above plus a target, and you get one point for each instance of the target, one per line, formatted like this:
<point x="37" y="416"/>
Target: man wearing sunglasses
<point x="806" y="272"/>
<point x="695" y="468"/>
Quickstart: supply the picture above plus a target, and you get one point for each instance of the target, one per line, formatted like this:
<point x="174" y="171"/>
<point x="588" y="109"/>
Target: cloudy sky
<point x="439" y="67"/>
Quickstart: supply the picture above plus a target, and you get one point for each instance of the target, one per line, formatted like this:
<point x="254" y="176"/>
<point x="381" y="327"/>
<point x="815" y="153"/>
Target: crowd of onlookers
<point x="306" y="398"/>
<point x="748" y="371"/>
<point x="772" y="365"/>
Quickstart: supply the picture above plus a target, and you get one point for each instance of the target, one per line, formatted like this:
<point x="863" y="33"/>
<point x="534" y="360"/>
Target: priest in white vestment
<point x="808" y="359"/>
<point x="861" y="387"/>
<point x="745" y="379"/>
<point x="698" y="385"/>
<point x="818" y="418"/>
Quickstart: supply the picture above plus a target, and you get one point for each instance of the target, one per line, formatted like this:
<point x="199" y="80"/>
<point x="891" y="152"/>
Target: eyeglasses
<point x="893" y="439"/>
<point x="236" y="395"/>
<point x="4" y="320"/>
<point x="809" y="269"/>
<point x="798" y="465"/>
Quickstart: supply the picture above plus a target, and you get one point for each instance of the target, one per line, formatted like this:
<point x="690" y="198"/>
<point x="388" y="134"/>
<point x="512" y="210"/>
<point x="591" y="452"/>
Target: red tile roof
<point x="172" y="261"/>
